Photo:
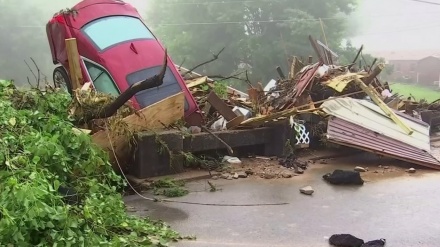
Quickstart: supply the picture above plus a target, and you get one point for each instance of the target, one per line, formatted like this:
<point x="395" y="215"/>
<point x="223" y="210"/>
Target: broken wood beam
<point x="357" y="57"/>
<point x="370" y="91"/>
<point x="377" y="70"/>
<point x="74" y="65"/>
<point x="196" y="82"/>
<point x="316" y="49"/>
<point x="258" y="121"/>
<point x="280" y="73"/>
<point x="221" y="106"/>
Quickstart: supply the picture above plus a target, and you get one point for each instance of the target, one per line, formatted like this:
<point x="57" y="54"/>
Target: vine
<point x="40" y="156"/>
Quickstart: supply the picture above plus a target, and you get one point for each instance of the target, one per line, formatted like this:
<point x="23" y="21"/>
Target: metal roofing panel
<point x="361" y="124"/>
<point x="367" y="115"/>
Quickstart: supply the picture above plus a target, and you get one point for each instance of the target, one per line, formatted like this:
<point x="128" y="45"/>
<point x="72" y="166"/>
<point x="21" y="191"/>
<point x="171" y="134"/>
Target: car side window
<point x="101" y="79"/>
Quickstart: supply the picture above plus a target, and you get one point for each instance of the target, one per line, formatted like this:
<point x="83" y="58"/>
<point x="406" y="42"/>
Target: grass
<point x="169" y="188"/>
<point x="417" y="91"/>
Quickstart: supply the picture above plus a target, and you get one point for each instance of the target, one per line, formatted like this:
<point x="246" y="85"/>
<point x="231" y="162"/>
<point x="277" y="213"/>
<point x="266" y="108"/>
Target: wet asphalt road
<point x="402" y="208"/>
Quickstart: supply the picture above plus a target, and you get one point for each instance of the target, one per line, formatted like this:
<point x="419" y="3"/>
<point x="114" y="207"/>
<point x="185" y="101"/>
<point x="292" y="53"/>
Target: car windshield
<point x="108" y="31"/>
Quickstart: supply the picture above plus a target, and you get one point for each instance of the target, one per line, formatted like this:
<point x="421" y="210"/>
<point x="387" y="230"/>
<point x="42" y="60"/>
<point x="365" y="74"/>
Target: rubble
<point x="412" y="170"/>
<point x="242" y="174"/>
<point x="231" y="160"/>
<point x="307" y="190"/>
<point x="319" y="99"/>
<point x="321" y="90"/>
<point x="360" y="169"/>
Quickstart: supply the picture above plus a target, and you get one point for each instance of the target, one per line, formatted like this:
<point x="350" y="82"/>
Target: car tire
<point x="61" y="79"/>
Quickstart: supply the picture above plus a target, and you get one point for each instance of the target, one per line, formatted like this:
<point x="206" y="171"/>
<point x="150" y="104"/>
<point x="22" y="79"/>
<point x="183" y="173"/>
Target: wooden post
<point x="74" y="66"/>
<point x="378" y="101"/>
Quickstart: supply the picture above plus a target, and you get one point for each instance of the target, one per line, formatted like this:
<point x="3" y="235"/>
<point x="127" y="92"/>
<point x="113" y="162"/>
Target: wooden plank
<point x="258" y="121"/>
<point x="221" y="106"/>
<point x="339" y="83"/>
<point x="378" y="101"/>
<point x="155" y="116"/>
<point x="234" y="122"/>
<point x="196" y="82"/>
<point x="74" y="66"/>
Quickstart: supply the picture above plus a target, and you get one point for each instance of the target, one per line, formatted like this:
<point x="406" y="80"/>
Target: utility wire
<point x="426" y="2"/>
<point x="175" y="201"/>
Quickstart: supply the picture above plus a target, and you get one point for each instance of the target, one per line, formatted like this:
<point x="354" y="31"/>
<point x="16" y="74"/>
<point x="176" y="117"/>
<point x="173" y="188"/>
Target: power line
<point x="427" y="2"/>
<point x="287" y="20"/>
<point x="221" y="2"/>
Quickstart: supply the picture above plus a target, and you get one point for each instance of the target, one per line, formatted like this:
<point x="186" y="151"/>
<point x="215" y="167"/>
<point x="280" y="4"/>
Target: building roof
<point x="413" y="55"/>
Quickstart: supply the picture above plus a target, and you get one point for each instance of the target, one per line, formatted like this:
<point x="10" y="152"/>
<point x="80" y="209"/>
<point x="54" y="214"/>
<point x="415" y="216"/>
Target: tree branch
<point x="38" y="72"/>
<point x="215" y="57"/>
<point x="148" y="83"/>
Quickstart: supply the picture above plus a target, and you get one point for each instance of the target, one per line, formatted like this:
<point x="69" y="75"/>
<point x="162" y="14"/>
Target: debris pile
<point x="346" y="105"/>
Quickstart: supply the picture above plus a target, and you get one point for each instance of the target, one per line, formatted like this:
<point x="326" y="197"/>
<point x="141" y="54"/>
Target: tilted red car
<point x="116" y="50"/>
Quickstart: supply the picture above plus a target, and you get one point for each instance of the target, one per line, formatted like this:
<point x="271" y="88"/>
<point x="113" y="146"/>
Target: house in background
<point x="421" y="67"/>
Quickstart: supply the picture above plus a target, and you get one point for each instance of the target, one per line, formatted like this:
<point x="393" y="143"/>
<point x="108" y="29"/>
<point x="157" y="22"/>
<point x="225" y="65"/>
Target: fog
<point x="381" y="25"/>
<point x="398" y="25"/>
<point x="23" y="28"/>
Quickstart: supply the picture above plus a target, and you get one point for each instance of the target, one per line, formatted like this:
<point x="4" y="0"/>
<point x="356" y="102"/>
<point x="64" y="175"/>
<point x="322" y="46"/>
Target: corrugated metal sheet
<point x="362" y="124"/>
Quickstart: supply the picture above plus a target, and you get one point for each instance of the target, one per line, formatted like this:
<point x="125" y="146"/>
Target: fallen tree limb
<point x="356" y="58"/>
<point x="215" y="57"/>
<point x="110" y="109"/>
<point x="230" y="151"/>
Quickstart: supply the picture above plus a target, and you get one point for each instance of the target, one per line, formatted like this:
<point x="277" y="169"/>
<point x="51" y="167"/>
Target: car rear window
<point x="150" y="96"/>
<point x="112" y="30"/>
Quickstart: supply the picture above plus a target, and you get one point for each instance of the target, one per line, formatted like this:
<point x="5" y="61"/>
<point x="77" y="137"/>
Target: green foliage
<point x="221" y="89"/>
<point x="259" y="35"/>
<point x="39" y="153"/>
<point x="169" y="188"/>
<point x="418" y="92"/>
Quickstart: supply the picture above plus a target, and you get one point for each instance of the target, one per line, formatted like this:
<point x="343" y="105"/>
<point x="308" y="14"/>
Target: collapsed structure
<point x="354" y="106"/>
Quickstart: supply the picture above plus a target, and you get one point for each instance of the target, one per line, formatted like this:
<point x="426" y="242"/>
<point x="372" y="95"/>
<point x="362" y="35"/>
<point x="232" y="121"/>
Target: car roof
<point x="89" y="10"/>
<point x="86" y="3"/>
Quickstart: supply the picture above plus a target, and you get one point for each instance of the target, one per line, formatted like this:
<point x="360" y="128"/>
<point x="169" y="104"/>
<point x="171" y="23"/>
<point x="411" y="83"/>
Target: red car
<point x="116" y="50"/>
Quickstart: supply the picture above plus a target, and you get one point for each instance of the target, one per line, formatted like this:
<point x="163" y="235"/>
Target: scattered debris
<point x="412" y="170"/>
<point x="375" y="243"/>
<point x="242" y="174"/>
<point x="232" y="160"/>
<point x="345" y="240"/>
<point x="235" y="176"/>
<point x="213" y="188"/>
<point x="249" y="172"/>
<point x="348" y="240"/>
<point x="360" y="169"/>
<point x="341" y="177"/>
<point x="307" y="190"/>
<point x="268" y="176"/>
<point x="299" y="171"/>
<point x="169" y="188"/>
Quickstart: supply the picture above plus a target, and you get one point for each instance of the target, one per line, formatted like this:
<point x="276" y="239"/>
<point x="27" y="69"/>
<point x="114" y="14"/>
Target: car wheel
<point x="61" y="79"/>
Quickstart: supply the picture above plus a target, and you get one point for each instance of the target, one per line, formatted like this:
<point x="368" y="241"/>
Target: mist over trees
<point x="262" y="34"/>
<point x="22" y="25"/>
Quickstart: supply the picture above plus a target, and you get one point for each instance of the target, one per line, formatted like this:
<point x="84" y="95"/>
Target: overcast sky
<point x="383" y="25"/>
<point x="398" y="25"/>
